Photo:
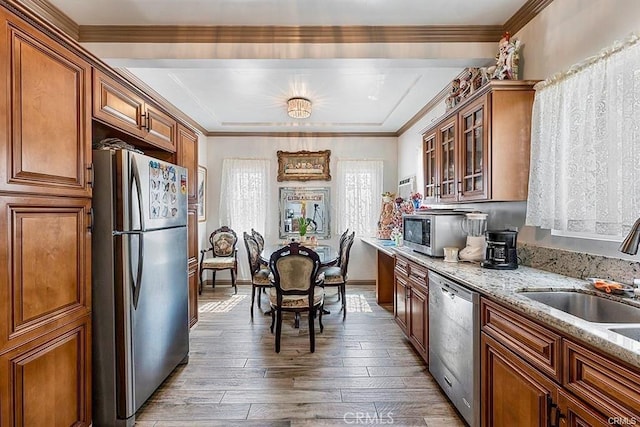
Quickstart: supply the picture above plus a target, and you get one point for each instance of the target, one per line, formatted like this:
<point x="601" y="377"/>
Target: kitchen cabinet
<point x="187" y="156"/>
<point x="45" y="227"/>
<point x="513" y="393"/>
<point x="411" y="303"/>
<point x="118" y="106"/>
<point x="192" y="262"/>
<point x="530" y="372"/>
<point x="480" y="150"/>
<point x="192" y="281"/>
<point x="45" y="147"/>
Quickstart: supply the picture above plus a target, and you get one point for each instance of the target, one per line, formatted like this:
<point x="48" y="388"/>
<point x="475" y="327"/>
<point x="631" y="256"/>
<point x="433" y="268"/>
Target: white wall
<point x="362" y="257"/>
<point x="564" y="33"/>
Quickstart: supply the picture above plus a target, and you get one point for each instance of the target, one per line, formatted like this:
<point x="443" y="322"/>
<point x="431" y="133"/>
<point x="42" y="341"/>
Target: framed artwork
<point x="202" y="193"/>
<point x="304" y="166"/>
<point x="312" y="204"/>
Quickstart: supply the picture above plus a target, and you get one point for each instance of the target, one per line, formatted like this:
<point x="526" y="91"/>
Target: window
<point x="585" y="178"/>
<point x="244" y="195"/>
<point x="358" y="198"/>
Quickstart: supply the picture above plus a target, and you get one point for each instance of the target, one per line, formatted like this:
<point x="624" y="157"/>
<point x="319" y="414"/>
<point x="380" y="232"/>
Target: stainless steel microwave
<point x="429" y="233"/>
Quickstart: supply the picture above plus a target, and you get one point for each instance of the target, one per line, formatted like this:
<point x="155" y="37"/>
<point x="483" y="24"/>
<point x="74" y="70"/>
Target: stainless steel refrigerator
<point x="140" y="325"/>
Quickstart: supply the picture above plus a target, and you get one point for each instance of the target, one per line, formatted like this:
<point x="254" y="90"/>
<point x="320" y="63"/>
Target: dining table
<point x="328" y="254"/>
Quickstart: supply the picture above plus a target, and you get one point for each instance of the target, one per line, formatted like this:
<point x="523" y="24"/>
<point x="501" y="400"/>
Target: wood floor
<point x="363" y="372"/>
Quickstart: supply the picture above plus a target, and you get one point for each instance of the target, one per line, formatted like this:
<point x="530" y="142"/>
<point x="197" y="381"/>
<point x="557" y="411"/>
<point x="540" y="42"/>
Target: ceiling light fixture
<point x="298" y="108"/>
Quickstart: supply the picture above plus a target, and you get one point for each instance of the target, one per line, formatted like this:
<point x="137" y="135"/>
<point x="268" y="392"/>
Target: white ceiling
<point x="371" y="88"/>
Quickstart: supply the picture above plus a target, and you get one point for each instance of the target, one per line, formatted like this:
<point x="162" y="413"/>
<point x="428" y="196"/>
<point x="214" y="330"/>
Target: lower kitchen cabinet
<point x="193" y="292"/>
<point x="47" y="381"/>
<point x="534" y="376"/>
<point x="513" y="393"/>
<point x="411" y="303"/>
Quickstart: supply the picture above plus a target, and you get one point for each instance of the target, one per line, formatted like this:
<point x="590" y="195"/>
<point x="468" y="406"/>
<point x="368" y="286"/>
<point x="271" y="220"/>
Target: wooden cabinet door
<point x="161" y="128"/>
<point x="429" y="150"/>
<point x="188" y="158"/>
<point x="47" y="382"/>
<point x="192" y="233"/>
<point x="419" y="318"/>
<point x="193" y="293"/>
<point x="446" y="144"/>
<point x="400" y="302"/>
<point x="45" y="276"/>
<point x="45" y="138"/>
<point x="474" y="158"/>
<point x="116" y="105"/>
<point x="513" y="393"/>
<point x="573" y="413"/>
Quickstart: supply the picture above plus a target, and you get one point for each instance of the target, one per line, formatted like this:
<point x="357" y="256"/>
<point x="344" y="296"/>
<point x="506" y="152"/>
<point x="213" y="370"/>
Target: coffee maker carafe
<point x="475" y="225"/>
<point x="501" y="251"/>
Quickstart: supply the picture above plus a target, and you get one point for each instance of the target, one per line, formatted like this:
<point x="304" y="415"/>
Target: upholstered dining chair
<point x="259" y="276"/>
<point x="224" y="255"/>
<point x="260" y="239"/>
<point x="336" y="275"/>
<point x="296" y="288"/>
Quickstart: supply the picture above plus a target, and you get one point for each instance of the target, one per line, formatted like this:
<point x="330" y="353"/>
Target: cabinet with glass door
<point x="480" y="150"/>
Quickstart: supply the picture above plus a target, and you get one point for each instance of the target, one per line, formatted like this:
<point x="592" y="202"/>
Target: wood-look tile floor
<point x="363" y="372"/>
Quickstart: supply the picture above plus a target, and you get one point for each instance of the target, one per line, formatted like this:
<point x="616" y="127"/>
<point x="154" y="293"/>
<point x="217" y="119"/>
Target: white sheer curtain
<point x="244" y="195"/>
<point x="358" y="198"/>
<point x="585" y="146"/>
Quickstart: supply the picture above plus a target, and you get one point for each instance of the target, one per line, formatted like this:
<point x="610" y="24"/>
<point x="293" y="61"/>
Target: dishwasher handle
<point x="451" y="288"/>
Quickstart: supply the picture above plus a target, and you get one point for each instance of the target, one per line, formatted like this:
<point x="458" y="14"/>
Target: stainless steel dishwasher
<point x="454" y="344"/>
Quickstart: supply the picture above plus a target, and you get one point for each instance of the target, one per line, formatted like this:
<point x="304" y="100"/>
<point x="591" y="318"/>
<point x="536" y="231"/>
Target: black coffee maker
<point x="501" y="250"/>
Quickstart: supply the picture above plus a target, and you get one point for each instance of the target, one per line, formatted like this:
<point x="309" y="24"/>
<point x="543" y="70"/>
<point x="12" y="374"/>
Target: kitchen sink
<point x="633" y="333"/>
<point x="589" y="307"/>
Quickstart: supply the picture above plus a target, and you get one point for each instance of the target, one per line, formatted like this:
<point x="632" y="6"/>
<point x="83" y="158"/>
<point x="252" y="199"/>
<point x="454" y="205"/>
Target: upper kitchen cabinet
<point x="480" y="150"/>
<point x="46" y="145"/>
<point x="188" y="158"/>
<point x="118" y="106"/>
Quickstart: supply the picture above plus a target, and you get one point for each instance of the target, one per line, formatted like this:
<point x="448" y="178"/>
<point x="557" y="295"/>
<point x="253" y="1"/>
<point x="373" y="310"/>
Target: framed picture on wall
<point x="303" y="166"/>
<point x="202" y="193"/>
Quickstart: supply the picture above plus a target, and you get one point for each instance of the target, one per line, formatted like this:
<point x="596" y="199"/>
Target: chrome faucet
<point x="630" y="243"/>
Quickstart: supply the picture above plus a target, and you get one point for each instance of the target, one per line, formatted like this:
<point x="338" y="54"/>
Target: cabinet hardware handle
<point x="144" y="121"/>
<point x="91" y="175"/>
<point x="553" y="407"/>
<point x="90" y="225"/>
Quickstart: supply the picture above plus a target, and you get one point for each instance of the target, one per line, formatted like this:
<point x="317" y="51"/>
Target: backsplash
<point x="577" y="264"/>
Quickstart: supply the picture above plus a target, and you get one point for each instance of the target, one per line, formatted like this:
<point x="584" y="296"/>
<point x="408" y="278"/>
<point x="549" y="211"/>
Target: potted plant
<point x="302" y="226"/>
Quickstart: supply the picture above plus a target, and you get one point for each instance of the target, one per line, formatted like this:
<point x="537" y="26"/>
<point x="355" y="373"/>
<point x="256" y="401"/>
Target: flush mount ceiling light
<point x="298" y="108"/>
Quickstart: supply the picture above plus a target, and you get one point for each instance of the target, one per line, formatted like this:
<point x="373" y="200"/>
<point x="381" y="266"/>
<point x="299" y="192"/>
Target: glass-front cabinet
<point x="431" y="185"/>
<point x="473" y="151"/>
<point x="447" y="154"/>
<point x="480" y="149"/>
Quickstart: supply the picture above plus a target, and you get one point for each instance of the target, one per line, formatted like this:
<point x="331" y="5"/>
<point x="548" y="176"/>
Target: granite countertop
<point x="505" y="286"/>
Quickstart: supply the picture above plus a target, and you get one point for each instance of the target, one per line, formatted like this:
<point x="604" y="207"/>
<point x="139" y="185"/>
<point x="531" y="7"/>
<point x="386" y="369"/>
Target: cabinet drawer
<point x="402" y="266"/>
<point x="418" y="274"/>
<point x="606" y="385"/>
<point x="534" y="343"/>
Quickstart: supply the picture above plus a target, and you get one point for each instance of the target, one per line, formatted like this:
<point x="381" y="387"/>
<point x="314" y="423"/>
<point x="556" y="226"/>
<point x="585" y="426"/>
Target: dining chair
<point x="260" y="239"/>
<point x="224" y="255"/>
<point x="259" y="276"/>
<point x="336" y="275"/>
<point x="296" y="288"/>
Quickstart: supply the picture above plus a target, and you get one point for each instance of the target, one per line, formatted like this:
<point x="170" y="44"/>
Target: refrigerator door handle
<point x="137" y="283"/>
<point x="135" y="180"/>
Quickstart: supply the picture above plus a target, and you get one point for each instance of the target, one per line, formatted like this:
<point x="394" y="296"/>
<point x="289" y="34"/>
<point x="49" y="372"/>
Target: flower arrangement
<point x="302" y="226"/>
<point x="416" y="196"/>
<point x="388" y="194"/>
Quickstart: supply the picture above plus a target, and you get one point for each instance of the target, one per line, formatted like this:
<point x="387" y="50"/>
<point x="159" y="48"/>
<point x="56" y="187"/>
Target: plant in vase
<point x="302" y="227"/>
<point x="387" y="196"/>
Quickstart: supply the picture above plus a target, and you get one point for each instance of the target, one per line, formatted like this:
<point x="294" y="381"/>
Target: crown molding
<point x="288" y="34"/>
<point x="525" y="14"/>
<point x="52" y="15"/>
<point x="302" y="134"/>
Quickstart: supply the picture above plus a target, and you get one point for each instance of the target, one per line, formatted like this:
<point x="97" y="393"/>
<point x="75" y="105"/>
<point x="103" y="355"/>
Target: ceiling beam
<point x="289" y="34"/>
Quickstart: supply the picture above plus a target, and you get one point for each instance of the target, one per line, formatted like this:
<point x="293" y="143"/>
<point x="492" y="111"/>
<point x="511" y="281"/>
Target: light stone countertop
<point x="504" y="286"/>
